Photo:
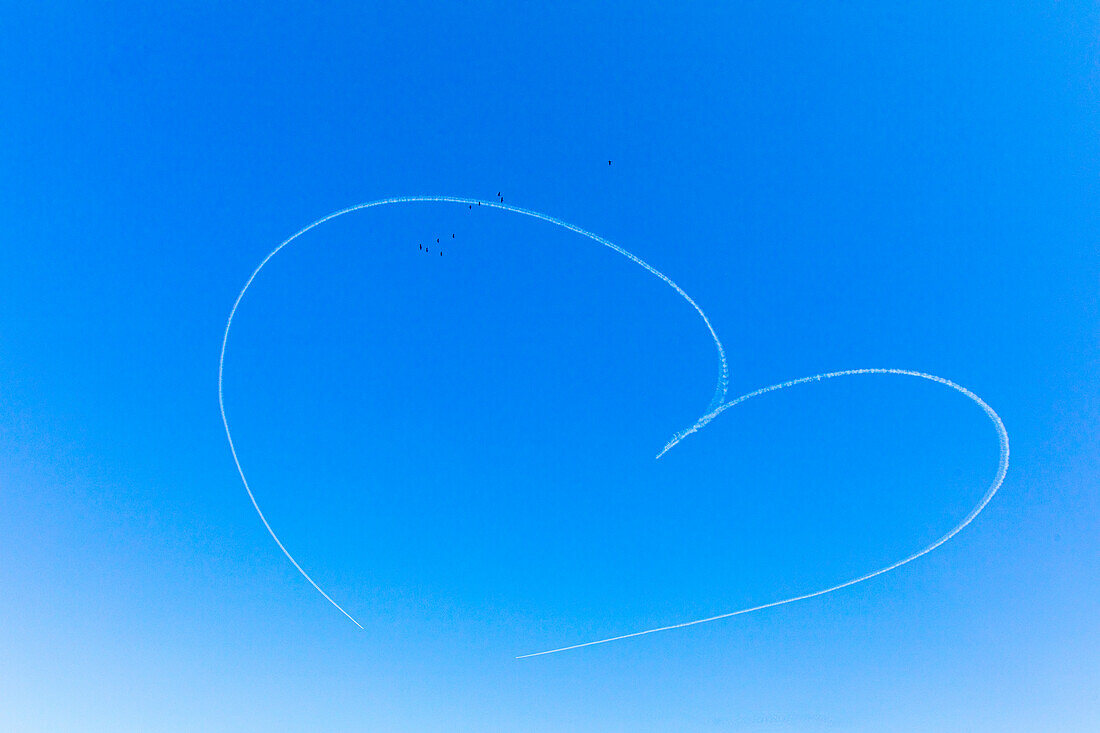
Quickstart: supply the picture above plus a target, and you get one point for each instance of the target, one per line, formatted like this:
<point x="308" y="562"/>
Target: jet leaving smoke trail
<point x="719" y="392"/>
<point x="1002" y="469"/>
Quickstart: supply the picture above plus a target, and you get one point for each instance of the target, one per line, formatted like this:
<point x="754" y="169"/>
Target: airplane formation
<point x="500" y="196"/>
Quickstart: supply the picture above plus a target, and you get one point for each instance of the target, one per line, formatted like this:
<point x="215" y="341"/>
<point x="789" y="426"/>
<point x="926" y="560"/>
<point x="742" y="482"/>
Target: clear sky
<point x="460" y="449"/>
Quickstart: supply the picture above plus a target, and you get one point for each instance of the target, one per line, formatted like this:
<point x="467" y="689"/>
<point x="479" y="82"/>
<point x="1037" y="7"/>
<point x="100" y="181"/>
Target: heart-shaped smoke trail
<point x="716" y="407"/>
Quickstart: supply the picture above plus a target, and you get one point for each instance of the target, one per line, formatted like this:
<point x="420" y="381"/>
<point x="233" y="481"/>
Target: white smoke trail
<point x="1002" y="469"/>
<point x="716" y="400"/>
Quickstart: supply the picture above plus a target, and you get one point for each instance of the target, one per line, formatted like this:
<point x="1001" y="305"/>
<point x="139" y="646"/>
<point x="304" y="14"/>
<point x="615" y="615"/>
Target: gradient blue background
<point x="460" y="449"/>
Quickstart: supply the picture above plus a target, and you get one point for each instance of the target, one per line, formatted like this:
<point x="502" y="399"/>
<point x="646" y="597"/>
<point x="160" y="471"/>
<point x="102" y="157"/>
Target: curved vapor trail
<point x="1002" y="469"/>
<point x="716" y="400"/>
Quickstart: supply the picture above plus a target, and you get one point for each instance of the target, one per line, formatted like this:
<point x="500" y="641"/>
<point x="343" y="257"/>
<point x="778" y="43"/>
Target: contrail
<point x="716" y="400"/>
<point x="1002" y="469"/>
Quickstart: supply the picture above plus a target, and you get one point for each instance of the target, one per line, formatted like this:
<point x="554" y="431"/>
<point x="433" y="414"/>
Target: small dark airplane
<point x="440" y="253"/>
<point x="609" y="162"/>
<point x="437" y="240"/>
<point x="452" y="236"/>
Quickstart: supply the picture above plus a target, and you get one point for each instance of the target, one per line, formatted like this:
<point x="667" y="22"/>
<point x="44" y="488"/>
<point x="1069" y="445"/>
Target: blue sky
<point x="459" y="449"/>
